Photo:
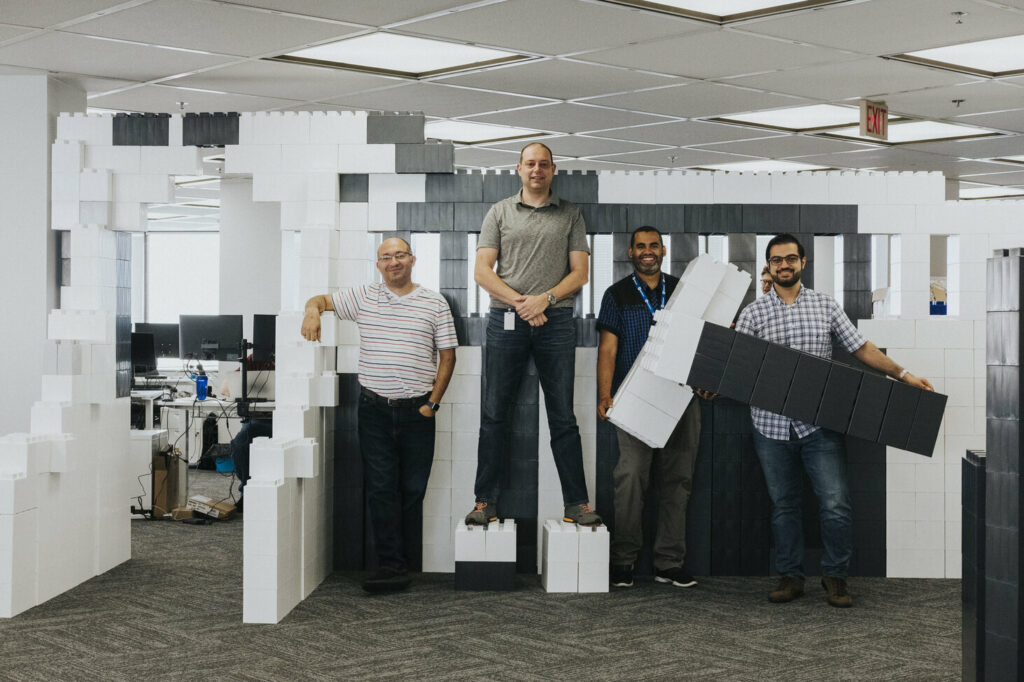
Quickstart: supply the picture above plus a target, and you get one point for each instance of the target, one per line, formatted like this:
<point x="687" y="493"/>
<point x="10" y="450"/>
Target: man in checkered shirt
<point x="800" y="318"/>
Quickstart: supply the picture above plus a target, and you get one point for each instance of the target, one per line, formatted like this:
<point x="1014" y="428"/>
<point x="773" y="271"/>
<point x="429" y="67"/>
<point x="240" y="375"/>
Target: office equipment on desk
<point x="165" y="337"/>
<point x="209" y="337"/>
<point x="146" y="398"/>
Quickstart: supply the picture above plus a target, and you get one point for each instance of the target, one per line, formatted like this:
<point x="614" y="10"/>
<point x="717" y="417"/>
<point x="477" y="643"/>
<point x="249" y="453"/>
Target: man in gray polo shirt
<point x="539" y="245"/>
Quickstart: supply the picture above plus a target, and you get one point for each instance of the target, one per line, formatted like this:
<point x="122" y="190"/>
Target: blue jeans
<point x="823" y="456"/>
<point x="254" y="428"/>
<point x="553" y="347"/>
<point x="397" y="444"/>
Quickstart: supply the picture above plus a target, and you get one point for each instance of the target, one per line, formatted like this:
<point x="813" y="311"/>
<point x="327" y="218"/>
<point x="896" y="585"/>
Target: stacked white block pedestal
<point x="485" y="556"/>
<point x="575" y="558"/>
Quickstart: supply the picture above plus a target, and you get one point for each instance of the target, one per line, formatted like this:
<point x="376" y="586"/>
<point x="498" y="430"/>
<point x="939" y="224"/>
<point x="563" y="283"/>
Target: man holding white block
<point x="625" y="320"/>
<point x="407" y="347"/>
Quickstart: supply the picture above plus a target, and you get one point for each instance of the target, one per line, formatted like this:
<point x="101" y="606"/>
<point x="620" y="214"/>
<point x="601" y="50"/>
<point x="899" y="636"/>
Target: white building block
<point x="17" y="493"/>
<point x="95" y="185"/>
<point x="294" y="390"/>
<point x="22" y="453"/>
<point x="255" y="159"/>
<point x="618" y="187"/>
<point x="742" y="188"/>
<point x="366" y="158"/>
<point x="18" y="565"/>
<point x="333" y="127"/>
<point x="560" y="557"/>
<point x="594" y="558"/>
<point x="354" y="216"/>
<point x="51" y="418"/>
<point x="278" y="186"/>
<point x="685" y="187"/>
<point x="470" y="543"/>
<point x="92" y="129"/>
<point x="67" y="156"/>
<point x="81" y="325"/>
<point x="409" y="187"/>
<point x="119" y="159"/>
<point x="382" y="216"/>
<point x="64" y="214"/>
<point x="65" y="186"/>
<point x="94" y="212"/>
<point x="799" y="188"/>
<point x="307" y="158"/>
<point x="501" y="541"/>
<point x="322" y="187"/>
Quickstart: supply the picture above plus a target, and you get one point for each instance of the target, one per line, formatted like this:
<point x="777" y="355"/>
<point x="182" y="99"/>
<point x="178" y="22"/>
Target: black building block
<point x="454" y="273"/>
<point x="579" y="188"/>
<point x="743" y="249"/>
<point x="857" y="305"/>
<point x="973" y="573"/>
<point x="716" y="341"/>
<point x="838" y="398"/>
<point x="394" y="129"/>
<point x="684" y="248"/>
<point x="1003" y="442"/>
<point x="604" y="218"/>
<point x="424" y="158"/>
<point x="419" y="217"/>
<point x="927" y="420"/>
<point x="856" y="277"/>
<point x="587" y="335"/>
<point x="869" y="407"/>
<point x="209" y="129"/>
<point x="743" y="366"/>
<point x="706" y="373"/>
<point x="856" y="248"/>
<point x="773" y="380"/>
<point x="498" y="576"/>
<point x="1002" y="391"/>
<point x="668" y="218"/>
<point x="470" y="217"/>
<point x="460" y="186"/>
<point x="454" y="246"/>
<point x="354" y="187"/>
<point x="498" y="186"/>
<point x="807" y="387"/>
<point x="899" y="415"/>
<point x="1004" y="283"/>
<point x="1002" y="338"/>
<point x="828" y="219"/>
<point x="713" y="218"/>
<point x="770" y="218"/>
<point x="144" y="130"/>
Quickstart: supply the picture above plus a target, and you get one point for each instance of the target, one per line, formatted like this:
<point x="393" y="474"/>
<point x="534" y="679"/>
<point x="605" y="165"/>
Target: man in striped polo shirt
<point x="403" y="330"/>
<point x="793" y="315"/>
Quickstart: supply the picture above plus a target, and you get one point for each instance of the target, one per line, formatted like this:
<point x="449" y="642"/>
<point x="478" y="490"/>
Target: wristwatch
<point x="904" y="373"/>
<point x="551" y="298"/>
<point x="434" y="406"/>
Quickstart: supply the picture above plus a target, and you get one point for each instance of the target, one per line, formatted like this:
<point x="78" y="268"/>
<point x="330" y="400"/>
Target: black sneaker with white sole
<point x="675" y="576"/>
<point x="621" y="575"/>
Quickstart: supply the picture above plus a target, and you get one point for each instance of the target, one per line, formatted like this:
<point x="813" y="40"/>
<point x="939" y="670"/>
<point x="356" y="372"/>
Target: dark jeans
<point x="553" y="347"/>
<point x="823" y="456"/>
<point x="397" y="445"/>
<point x="254" y="428"/>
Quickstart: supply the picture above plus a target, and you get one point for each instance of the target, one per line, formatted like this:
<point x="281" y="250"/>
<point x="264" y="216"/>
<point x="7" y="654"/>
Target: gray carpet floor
<point x="174" y="613"/>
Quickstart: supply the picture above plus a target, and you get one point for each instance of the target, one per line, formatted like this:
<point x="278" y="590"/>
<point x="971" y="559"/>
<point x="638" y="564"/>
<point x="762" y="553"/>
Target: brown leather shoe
<point x="789" y="588"/>
<point x="837" y="594"/>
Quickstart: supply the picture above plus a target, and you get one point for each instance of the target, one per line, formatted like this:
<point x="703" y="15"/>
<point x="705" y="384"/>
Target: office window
<point x="182" y="275"/>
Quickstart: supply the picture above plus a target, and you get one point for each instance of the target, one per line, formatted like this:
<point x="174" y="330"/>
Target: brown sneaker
<point x="788" y="589"/>
<point x="482" y="514"/>
<point x="837" y="594"/>
<point x="581" y="514"/>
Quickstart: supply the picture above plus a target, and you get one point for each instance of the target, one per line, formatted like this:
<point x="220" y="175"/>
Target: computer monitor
<point x="263" y="329"/>
<point x="210" y="337"/>
<point x="165" y="337"/>
<point x="143" y="353"/>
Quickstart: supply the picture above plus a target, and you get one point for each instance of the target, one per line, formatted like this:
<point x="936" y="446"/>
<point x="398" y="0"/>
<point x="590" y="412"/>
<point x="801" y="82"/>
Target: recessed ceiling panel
<point x="893" y="26"/>
<point x="211" y="27"/>
<point x="784" y="147"/>
<point x="578" y="145"/>
<point x="370" y="12"/>
<point x="674" y="158"/>
<point x="959" y="100"/>
<point x="41" y="14"/>
<point x="596" y="165"/>
<point x="991" y="148"/>
<point x="864" y="78"/>
<point x="434" y="100"/>
<point x="107" y="58"/>
<point x="8" y="32"/>
<point x="715" y="54"/>
<point x="980" y="168"/>
<point x="277" y="79"/>
<point x="560" y="79"/>
<point x="687" y="133"/>
<point x="1010" y="178"/>
<point x="698" y="100"/>
<point x="92" y="85"/>
<point x="888" y="158"/>
<point x="1000" y="120"/>
<point x="552" y="28"/>
<point x="163" y="99"/>
<point x="567" y="118"/>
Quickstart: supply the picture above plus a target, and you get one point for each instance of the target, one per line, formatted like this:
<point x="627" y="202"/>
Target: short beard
<point x="646" y="269"/>
<point x="790" y="284"/>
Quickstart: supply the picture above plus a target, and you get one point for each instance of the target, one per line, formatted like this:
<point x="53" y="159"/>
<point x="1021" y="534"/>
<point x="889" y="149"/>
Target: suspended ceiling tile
<point x="578" y="145"/>
<point x="164" y="99"/>
<point x="683" y="158"/>
<point x="893" y="26"/>
<point x="476" y="157"/>
<point x="594" y="164"/>
<point x="1011" y="178"/>
<point x="8" y="32"/>
<point x="982" y="97"/>
<point x="686" y="133"/>
<point x="890" y="158"/>
<point x="715" y="54"/>
<point x="785" y="147"/>
<point x="959" y="169"/>
<point x="93" y="85"/>
<point x="698" y="100"/>
<point x="40" y="14"/>
<point x="987" y="148"/>
<point x="560" y="79"/>
<point x="111" y="59"/>
<point x="1000" y="120"/>
<point x="370" y="12"/>
<point x="277" y="79"/>
<point x="863" y="78"/>
<point x="434" y="100"/>
<point x="211" y="27"/>
<point x="567" y="118"/>
<point x="552" y="28"/>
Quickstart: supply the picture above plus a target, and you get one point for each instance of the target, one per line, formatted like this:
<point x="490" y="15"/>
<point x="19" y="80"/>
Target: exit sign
<point x="874" y="120"/>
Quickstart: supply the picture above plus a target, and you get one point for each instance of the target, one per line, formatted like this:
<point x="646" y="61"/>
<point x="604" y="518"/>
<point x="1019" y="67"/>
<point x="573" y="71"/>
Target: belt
<point x="393" y="402"/>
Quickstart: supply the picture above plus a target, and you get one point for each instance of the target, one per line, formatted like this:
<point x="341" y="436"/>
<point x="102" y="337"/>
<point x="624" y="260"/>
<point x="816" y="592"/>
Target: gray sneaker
<point x="582" y="514"/>
<point x="483" y="513"/>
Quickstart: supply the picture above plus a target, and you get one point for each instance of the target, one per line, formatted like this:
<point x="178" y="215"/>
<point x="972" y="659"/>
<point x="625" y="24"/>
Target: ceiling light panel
<point x="917" y="131"/>
<point x="391" y="53"/>
<point x="467" y="132"/>
<point x="800" y="118"/>
<point x="725" y="10"/>
<point x="992" y="57"/>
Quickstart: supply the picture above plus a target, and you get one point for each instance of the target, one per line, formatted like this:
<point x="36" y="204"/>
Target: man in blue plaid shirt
<point x="796" y="316"/>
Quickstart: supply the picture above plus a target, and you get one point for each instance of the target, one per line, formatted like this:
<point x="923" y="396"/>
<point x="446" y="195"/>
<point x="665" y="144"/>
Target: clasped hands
<point x="531" y="309"/>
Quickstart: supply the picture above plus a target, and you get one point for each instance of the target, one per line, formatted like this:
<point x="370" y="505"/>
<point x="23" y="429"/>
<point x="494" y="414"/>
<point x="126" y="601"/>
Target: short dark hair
<point x="645" y="228"/>
<point x="537" y="144"/>
<point x="783" y="239"/>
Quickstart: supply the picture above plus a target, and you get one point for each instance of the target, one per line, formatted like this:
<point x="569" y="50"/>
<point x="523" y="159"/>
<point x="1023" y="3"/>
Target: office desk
<point x="147" y="398"/>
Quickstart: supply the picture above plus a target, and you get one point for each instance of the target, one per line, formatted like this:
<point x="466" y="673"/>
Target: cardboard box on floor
<point x="207" y="506"/>
<point x="168" y="480"/>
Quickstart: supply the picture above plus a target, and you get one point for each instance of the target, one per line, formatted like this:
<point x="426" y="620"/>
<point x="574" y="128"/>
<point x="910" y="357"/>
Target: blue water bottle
<point x="201" y="381"/>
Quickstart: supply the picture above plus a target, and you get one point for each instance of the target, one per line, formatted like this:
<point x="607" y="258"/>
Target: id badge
<point x="510" y="321"/>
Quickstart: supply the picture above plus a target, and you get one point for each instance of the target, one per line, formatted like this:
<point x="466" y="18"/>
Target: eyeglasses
<point x="401" y="257"/>
<point x="791" y="259"/>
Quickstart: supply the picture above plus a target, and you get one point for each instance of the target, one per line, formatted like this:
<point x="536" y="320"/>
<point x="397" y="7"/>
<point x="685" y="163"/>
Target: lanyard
<point x="639" y="288"/>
